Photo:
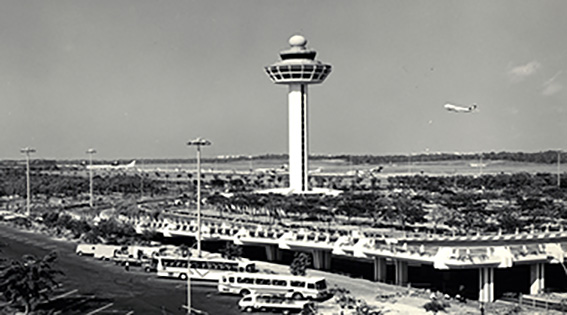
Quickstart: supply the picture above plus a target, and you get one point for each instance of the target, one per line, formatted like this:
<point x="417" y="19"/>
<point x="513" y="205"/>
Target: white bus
<point x="201" y="268"/>
<point x="297" y="287"/>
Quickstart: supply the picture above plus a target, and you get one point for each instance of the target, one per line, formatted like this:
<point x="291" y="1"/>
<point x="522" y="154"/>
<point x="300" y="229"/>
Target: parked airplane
<point x="113" y="166"/>
<point x="460" y="109"/>
<point x="272" y="170"/>
<point x="317" y="170"/>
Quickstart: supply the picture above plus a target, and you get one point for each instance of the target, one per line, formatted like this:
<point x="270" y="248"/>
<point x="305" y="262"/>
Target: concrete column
<point x="321" y="259"/>
<point x="273" y="253"/>
<point x="298" y="138"/>
<point x="537" y="278"/>
<point x="486" y="285"/>
<point x="380" y="269"/>
<point x="401" y="268"/>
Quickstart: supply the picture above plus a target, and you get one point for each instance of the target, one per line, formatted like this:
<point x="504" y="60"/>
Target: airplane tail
<point x="129" y="165"/>
<point x="473" y="107"/>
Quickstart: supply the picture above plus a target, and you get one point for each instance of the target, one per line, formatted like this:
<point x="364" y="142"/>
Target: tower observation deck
<point x="297" y="69"/>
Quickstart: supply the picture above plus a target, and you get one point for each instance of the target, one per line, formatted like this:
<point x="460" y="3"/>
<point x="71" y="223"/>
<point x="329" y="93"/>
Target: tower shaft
<point x="298" y="138"/>
<point x="298" y="68"/>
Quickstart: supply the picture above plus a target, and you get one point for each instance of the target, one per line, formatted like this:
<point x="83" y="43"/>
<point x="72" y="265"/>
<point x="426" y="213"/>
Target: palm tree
<point x="25" y="283"/>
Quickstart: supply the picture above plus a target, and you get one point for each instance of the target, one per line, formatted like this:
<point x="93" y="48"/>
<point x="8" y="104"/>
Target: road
<point x="134" y="291"/>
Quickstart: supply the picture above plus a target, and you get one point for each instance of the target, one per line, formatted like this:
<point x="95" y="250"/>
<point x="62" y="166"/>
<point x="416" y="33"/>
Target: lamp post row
<point x="196" y="142"/>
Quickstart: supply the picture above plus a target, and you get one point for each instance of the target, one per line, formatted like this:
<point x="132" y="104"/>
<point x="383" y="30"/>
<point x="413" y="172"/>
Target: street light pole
<point x="559" y="168"/>
<point x="27" y="152"/>
<point x="198" y="143"/>
<point x="90" y="152"/>
<point x="189" y="282"/>
<point x="189" y="279"/>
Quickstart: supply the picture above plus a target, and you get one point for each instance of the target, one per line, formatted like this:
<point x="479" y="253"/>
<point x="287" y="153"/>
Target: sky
<point x="139" y="79"/>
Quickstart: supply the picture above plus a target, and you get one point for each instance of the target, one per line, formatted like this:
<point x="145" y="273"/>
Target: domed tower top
<point x="298" y="65"/>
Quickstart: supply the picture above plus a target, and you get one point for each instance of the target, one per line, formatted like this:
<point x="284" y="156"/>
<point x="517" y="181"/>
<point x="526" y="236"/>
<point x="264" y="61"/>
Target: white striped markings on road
<point x="100" y="309"/>
<point x="65" y="294"/>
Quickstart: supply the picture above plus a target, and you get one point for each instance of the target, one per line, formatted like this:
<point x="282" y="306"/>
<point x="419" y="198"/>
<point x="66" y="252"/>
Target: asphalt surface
<point x="106" y="286"/>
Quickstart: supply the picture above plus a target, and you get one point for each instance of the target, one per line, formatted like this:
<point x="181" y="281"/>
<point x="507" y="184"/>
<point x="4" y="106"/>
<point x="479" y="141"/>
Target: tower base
<point x="292" y="191"/>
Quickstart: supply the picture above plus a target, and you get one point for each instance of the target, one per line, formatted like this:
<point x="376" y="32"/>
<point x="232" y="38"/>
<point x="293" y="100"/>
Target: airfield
<point x="337" y="167"/>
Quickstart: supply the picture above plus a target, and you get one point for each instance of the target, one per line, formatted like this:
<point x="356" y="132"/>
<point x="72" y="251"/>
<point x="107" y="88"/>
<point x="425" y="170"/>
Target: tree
<point x="435" y="306"/>
<point x="438" y="216"/>
<point x="231" y="251"/>
<point x="407" y="210"/>
<point x="25" y="283"/>
<point x="299" y="264"/>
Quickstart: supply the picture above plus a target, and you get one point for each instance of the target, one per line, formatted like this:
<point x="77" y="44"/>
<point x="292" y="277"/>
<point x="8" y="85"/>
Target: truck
<point x="106" y="252"/>
<point x="99" y="251"/>
<point x="273" y="303"/>
<point x="85" y="249"/>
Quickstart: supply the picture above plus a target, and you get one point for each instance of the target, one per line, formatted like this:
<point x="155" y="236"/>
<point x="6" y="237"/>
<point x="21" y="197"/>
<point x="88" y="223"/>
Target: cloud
<point x="551" y="86"/>
<point x="521" y="72"/>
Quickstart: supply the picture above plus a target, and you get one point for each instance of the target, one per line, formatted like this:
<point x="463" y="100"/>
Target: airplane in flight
<point x="113" y="166"/>
<point x="460" y="109"/>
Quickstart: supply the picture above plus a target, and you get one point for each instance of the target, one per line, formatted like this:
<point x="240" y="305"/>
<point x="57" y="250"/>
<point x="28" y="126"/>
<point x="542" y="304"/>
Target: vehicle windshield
<point x="321" y="285"/>
<point x="251" y="268"/>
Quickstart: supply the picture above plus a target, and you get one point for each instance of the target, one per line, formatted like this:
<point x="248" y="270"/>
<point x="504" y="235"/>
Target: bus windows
<point x="277" y="282"/>
<point x="298" y="284"/>
<point x="245" y="280"/>
<point x="261" y="281"/>
<point x="311" y="286"/>
<point x="200" y="265"/>
<point x="231" y="279"/>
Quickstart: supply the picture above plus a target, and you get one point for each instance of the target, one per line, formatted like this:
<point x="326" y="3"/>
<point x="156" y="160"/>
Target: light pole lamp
<point x="27" y="152"/>
<point x="90" y="152"/>
<point x="198" y="143"/>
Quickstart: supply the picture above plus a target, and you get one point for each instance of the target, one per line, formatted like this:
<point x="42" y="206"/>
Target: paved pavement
<point x="102" y="284"/>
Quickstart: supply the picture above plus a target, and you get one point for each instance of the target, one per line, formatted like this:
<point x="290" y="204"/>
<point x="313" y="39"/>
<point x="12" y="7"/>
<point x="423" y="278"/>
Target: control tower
<point x="297" y="69"/>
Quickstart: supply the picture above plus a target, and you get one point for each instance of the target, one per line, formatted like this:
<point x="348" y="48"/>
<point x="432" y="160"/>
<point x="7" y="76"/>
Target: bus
<point x="201" y="268"/>
<point x="297" y="287"/>
<point x="274" y="303"/>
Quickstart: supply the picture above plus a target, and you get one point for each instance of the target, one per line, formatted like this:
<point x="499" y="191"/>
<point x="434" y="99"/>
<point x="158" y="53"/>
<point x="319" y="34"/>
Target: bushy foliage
<point x="348" y="302"/>
<point x="436" y="306"/>
<point x="299" y="264"/>
<point x="25" y="282"/>
<point x="114" y="232"/>
<point x="231" y="251"/>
